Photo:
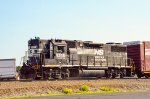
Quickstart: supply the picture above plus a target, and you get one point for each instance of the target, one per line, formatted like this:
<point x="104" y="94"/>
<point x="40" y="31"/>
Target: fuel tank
<point x="91" y="73"/>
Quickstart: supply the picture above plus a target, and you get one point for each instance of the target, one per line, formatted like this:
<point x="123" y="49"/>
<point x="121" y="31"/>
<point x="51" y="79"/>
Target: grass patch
<point x="18" y="97"/>
<point x="108" y="89"/>
<point x="84" y="88"/>
<point x="31" y="96"/>
<point x="67" y="91"/>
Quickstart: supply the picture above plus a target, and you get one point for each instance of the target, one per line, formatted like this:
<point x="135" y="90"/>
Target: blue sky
<point x="96" y="20"/>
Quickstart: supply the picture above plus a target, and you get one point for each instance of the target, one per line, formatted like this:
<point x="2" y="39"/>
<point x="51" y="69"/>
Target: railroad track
<point x="29" y="80"/>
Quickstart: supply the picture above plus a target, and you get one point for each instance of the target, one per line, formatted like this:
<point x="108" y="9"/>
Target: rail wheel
<point x="65" y="74"/>
<point x="113" y="75"/>
<point x="110" y="73"/>
<point x="122" y="73"/>
<point x="139" y="75"/>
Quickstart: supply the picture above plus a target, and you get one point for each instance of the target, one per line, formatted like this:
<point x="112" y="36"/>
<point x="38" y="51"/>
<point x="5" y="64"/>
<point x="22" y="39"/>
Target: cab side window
<point x="61" y="49"/>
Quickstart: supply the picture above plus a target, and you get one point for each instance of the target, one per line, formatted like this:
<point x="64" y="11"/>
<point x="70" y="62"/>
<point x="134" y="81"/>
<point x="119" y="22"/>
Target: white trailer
<point x="7" y="69"/>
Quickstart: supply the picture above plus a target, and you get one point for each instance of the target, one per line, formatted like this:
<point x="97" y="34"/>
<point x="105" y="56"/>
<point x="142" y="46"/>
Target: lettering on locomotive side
<point x="60" y="55"/>
<point x="100" y="55"/>
<point x="33" y="51"/>
<point x="99" y="52"/>
<point x="90" y="51"/>
<point x="33" y="47"/>
<point x="100" y="58"/>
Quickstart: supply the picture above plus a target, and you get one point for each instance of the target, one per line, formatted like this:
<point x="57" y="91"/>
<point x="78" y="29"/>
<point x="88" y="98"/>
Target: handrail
<point x="87" y="61"/>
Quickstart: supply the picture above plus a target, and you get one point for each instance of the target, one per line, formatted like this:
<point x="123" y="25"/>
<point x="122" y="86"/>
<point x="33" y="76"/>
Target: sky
<point x="95" y="20"/>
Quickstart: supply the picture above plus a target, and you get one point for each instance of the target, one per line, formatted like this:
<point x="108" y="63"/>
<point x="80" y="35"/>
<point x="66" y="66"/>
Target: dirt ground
<point x="19" y="88"/>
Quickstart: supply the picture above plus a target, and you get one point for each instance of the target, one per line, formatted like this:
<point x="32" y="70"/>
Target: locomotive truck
<point x="57" y="58"/>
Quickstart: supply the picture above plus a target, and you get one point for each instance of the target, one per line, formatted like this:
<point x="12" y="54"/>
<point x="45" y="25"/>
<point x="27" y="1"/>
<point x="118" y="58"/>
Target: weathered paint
<point x="140" y="53"/>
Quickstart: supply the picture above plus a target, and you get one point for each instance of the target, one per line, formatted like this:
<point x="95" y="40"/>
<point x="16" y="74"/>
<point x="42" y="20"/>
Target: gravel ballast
<point x="25" y="88"/>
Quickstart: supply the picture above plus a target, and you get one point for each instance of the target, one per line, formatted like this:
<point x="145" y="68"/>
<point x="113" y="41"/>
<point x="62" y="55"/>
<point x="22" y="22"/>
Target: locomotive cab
<point x="58" y="49"/>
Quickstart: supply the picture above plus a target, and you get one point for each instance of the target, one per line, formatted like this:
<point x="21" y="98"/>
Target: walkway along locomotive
<point x="56" y="58"/>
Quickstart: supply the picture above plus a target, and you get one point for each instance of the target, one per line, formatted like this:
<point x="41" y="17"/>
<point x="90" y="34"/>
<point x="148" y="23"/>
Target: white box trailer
<point x="7" y="68"/>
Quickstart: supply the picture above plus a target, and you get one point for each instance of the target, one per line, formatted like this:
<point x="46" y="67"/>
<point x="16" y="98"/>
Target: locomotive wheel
<point x="64" y="75"/>
<point x="121" y="75"/>
<point x="67" y="75"/>
<point x="109" y="76"/>
<point x="46" y="75"/>
<point x="110" y="73"/>
<point x="57" y="76"/>
<point x="139" y="75"/>
<point x="113" y="75"/>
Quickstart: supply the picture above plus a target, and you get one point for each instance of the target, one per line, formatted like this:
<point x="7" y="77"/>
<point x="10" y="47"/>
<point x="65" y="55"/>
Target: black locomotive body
<point x="56" y="58"/>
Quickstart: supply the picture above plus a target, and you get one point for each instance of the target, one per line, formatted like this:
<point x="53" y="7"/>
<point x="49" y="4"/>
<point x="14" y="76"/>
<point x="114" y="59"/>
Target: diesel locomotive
<point x="57" y="58"/>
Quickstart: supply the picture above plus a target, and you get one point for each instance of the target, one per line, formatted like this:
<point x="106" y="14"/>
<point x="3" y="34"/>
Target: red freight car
<point x="140" y="53"/>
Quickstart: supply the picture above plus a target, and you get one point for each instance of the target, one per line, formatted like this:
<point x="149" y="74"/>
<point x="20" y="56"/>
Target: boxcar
<point x="139" y="51"/>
